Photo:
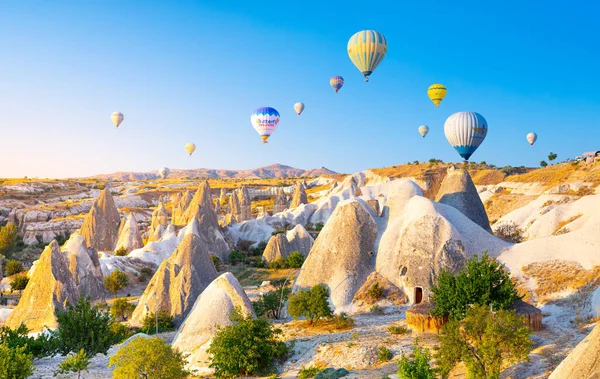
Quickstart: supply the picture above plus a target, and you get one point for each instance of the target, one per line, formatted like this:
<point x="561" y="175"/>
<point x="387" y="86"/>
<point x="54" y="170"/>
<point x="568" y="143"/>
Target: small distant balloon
<point x="436" y="93"/>
<point x="299" y="107"/>
<point x="366" y="50"/>
<point x="117" y="118"/>
<point x="423" y="130"/>
<point x="465" y="131"/>
<point x="190" y="148"/>
<point x="336" y="82"/>
<point x="265" y="121"/>
<point x="164" y="172"/>
<point x="531" y="138"/>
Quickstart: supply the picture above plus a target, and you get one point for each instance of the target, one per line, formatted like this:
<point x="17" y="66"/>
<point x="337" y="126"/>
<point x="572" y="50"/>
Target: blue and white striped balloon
<point x="465" y="131"/>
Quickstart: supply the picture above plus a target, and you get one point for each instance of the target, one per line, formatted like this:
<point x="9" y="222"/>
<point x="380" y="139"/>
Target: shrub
<point x="121" y="252"/>
<point x="74" y="363"/>
<point x="270" y="304"/>
<point x="45" y="344"/>
<point x="82" y="326"/>
<point x="116" y="281"/>
<point x="482" y="281"/>
<point x="295" y="260"/>
<point x="343" y="321"/>
<point x="397" y="329"/>
<point x="245" y="245"/>
<point x="120" y="332"/>
<point x="13" y="267"/>
<point x="19" y="282"/>
<point x="165" y="322"/>
<point x="150" y="358"/>
<point x="384" y="354"/>
<point x="375" y="291"/>
<point x="8" y="239"/>
<point x="248" y="347"/>
<point x="121" y="310"/>
<point x="216" y="261"/>
<point x="510" y="233"/>
<point x="281" y="263"/>
<point x="319" y="226"/>
<point x="312" y="304"/>
<point x="259" y="249"/>
<point x="418" y="367"/>
<point x="376" y="310"/>
<point x="543" y="164"/>
<point x="145" y="274"/>
<point x="485" y="341"/>
<point x="308" y="372"/>
<point x="236" y="257"/>
<point x="15" y="363"/>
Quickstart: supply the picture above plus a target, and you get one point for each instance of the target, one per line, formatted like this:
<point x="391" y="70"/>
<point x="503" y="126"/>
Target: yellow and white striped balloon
<point x="366" y="50"/>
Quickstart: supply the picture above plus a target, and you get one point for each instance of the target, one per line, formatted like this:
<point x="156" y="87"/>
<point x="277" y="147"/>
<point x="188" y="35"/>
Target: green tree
<point x="270" y="303"/>
<point x="552" y="156"/>
<point x="484" y="341"/>
<point x="117" y="280"/>
<point x="8" y="239"/>
<point x="482" y="281"/>
<point x="543" y="164"/>
<point x="295" y="259"/>
<point x="74" y="363"/>
<point x="45" y="344"/>
<point x="418" y="367"/>
<point x="13" y="267"/>
<point x="15" y="363"/>
<point x="19" y="282"/>
<point x="83" y="326"/>
<point x="149" y="358"/>
<point x="236" y="257"/>
<point x="121" y="310"/>
<point x="312" y="304"/>
<point x="165" y="322"/>
<point x="248" y="347"/>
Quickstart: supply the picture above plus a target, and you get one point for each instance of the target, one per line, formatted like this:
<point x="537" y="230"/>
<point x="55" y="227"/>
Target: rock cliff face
<point x="298" y="196"/>
<point x="101" y="226"/>
<point x="178" y="281"/>
<point x="129" y="235"/>
<point x="281" y="203"/>
<point x="85" y="268"/>
<point x="584" y="361"/>
<point x="245" y="204"/>
<point x="277" y="248"/>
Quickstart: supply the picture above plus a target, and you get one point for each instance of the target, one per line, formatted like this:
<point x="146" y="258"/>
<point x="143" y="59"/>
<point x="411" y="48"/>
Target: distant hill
<point x="272" y="171"/>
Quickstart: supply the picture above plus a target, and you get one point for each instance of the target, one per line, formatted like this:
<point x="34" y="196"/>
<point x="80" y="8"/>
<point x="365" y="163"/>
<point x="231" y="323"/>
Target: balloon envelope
<point x="465" y="131"/>
<point x="190" y="148"/>
<point x="423" y="130"/>
<point x="117" y="118"/>
<point x="164" y="172"/>
<point x="436" y="93"/>
<point x="265" y="120"/>
<point x="531" y="138"/>
<point x="299" y="107"/>
<point x="366" y="50"/>
<point x="336" y="82"/>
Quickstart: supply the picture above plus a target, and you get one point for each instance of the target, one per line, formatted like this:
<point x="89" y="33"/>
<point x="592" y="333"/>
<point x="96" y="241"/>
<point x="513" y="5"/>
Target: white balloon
<point x="465" y="131"/>
<point x="164" y="172"/>
<point x="299" y="107"/>
<point x="423" y="130"/>
<point x="531" y="138"/>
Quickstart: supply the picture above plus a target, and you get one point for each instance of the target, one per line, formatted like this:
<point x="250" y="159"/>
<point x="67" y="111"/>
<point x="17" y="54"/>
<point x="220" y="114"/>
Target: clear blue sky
<point x="194" y="70"/>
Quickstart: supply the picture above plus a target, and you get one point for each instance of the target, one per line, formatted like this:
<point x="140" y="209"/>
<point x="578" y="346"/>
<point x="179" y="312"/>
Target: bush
<point x="295" y="260"/>
<point x="121" y="252"/>
<point x="120" y="332"/>
<point x="19" y="282"/>
<point x="236" y="257"/>
<point x="376" y="310"/>
<point x="8" y="239"/>
<point x="270" y="304"/>
<point x="319" y="226"/>
<point x="280" y="264"/>
<point x="510" y="233"/>
<point x="15" y="363"/>
<point x="397" y="329"/>
<point x="259" y="249"/>
<point x="384" y="354"/>
<point x="145" y="274"/>
<point x="121" y="310"/>
<point x="312" y="304"/>
<point x="343" y="321"/>
<point x="375" y="291"/>
<point x="74" y="363"/>
<point x="44" y="345"/>
<point x="543" y="164"/>
<point x="248" y="347"/>
<point x="165" y="322"/>
<point x="485" y="341"/>
<point x="82" y="326"/>
<point x="116" y="281"/>
<point x="150" y="358"/>
<point x="13" y="267"/>
<point x="418" y="367"/>
<point x="482" y="281"/>
<point x="308" y="372"/>
<point x="216" y="262"/>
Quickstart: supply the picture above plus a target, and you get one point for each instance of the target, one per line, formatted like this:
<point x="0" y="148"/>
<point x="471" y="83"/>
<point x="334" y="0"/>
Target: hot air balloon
<point x="164" y="172"/>
<point x="265" y="120"/>
<point x="436" y="93"/>
<point x="465" y="131"/>
<point x="117" y="118"/>
<point x="366" y="50"/>
<point x="423" y="130"/>
<point x="299" y="107"/>
<point x="531" y="138"/>
<point x="336" y="82"/>
<point x="190" y="148"/>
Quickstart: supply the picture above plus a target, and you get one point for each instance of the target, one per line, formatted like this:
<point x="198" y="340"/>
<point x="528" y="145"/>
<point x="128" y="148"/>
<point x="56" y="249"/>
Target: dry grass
<point x="500" y="204"/>
<point x="560" y="173"/>
<point x="559" y="228"/>
<point x="250" y="276"/>
<point x="267" y="204"/>
<point x="556" y="276"/>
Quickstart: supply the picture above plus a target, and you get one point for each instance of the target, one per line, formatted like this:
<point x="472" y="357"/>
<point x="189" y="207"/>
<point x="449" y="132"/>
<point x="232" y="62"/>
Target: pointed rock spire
<point x="101" y="225"/>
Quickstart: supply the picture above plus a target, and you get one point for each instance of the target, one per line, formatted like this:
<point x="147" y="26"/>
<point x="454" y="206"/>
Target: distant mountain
<point x="272" y="171"/>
